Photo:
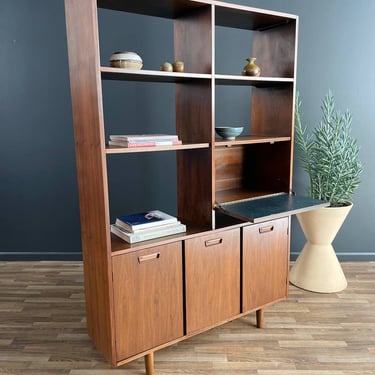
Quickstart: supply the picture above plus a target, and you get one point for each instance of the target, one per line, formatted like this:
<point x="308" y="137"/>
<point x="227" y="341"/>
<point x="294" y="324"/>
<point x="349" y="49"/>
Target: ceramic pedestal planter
<point x="317" y="268"/>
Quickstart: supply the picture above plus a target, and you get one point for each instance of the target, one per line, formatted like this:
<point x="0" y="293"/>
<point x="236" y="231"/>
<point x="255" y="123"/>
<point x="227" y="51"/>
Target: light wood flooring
<point x="42" y="330"/>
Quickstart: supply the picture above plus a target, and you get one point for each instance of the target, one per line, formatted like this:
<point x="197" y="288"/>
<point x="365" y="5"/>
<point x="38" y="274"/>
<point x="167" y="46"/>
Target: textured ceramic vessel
<point x="251" y="69"/>
<point x="126" y="60"/>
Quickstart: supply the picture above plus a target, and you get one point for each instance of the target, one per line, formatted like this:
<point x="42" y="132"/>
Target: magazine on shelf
<point x="147" y="219"/>
<point x="144" y="137"/>
<point x="148" y="234"/>
<point x="143" y="143"/>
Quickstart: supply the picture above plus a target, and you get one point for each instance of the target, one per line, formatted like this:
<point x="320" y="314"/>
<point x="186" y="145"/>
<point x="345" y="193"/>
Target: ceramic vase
<point x="251" y="69"/>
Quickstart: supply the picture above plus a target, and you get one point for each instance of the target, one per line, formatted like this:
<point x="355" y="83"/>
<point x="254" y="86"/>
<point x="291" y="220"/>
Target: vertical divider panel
<point x="86" y="96"/>
<point x="193" y="45"/>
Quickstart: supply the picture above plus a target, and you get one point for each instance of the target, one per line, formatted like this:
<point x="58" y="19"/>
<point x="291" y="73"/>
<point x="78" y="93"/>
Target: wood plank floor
<point x="42" y="330"/>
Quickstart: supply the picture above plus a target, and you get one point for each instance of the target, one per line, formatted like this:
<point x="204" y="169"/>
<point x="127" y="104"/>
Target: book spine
<point x="166" y="232"/>
<point x="132" y="144"/>
<point x="120" y="233"/>
<point x="145" y="138"/>
<point x="144" y="144"/>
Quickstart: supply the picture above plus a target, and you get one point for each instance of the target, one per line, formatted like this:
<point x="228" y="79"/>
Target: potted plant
<point x="330" y="156"/>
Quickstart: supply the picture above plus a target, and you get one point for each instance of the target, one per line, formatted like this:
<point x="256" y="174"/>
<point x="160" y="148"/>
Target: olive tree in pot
<point x="330" y="156"/>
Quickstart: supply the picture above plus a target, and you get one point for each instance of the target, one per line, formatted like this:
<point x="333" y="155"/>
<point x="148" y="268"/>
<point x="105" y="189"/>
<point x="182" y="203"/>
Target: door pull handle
<point x="215" y="241"/>
<point x="266" y="229"/>
<point x="145" y="258"/>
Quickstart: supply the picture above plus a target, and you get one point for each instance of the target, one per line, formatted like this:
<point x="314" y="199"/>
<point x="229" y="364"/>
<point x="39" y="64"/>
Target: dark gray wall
<point x="38" y="189"/>
<point x="336" y="50"/>
<point x="39" y="215"/>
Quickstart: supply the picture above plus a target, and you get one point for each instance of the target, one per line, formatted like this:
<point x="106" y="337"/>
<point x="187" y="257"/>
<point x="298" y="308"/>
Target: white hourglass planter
<point x="317" y="268"/>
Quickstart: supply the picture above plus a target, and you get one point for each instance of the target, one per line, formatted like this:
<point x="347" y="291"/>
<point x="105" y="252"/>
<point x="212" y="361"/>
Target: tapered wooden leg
<point x="149" y="364"/>
<point x="260" y="318"/>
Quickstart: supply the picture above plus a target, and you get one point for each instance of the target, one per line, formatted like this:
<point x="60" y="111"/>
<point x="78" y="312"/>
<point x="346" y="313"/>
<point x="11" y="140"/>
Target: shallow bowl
<point x="228" y="133"/>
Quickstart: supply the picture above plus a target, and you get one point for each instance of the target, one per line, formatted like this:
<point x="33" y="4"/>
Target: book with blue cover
<point x="143" y="220"/>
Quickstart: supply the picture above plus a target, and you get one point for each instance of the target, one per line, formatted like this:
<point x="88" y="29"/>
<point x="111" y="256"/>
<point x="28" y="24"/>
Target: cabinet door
<point x="212" y="275"/>
<point x="147" y="298"/>
<point x="265" y="263"/>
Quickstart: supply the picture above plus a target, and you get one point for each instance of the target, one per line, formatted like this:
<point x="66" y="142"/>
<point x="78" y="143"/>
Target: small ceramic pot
<point x="166" y="67"/>
<point x="178" y="66"/>
<point x="251" y="69"/>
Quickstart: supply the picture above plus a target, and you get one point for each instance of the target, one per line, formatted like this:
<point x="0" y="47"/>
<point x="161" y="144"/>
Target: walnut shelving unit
<point x="146" y="296"/>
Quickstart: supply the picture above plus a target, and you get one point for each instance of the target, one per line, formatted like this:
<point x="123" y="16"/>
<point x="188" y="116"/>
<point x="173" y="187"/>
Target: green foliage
<point x="330" y="155"/>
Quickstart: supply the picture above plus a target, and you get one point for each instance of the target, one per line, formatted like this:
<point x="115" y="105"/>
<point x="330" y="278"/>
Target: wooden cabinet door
<point x="147" y="298"/>
<point x="265" y="263"/>
<point x="212" y="279"/>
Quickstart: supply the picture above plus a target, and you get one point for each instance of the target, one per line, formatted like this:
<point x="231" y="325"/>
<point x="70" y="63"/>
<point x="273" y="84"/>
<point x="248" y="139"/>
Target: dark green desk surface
<point x="270" y="207"/>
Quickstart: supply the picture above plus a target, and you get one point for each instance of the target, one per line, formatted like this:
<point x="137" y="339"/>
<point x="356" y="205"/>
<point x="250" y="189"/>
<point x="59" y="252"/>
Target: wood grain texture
<point x="194" y="116"/>
<point x="43" y="331"/>
<point x="269" y="171"/>
<point x="273" y="110"/>
<point x="148" y="298"/>
<point x="212" y="279"/>
<point x="86" y="95"/>
<point x="277" y="44"/>
<point x="265" y="262"/>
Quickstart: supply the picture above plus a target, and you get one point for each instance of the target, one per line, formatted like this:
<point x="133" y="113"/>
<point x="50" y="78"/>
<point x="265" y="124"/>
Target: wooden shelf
<point x="243" y="17"/>
<point x="119" y="74"/>
<point x="228" y="15"/>
<point x="119" y="246"/>
<point x="236" y="80"/>
<point x="124" y="150"/>
<point x="161" y="8"/>
<point x="110" y="73"/>
<point x="250" y="140"/>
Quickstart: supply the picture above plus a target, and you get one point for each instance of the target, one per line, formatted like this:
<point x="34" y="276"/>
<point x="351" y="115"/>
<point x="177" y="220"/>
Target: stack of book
<point x="146" y="226"/>
<point x="144" y="140"/>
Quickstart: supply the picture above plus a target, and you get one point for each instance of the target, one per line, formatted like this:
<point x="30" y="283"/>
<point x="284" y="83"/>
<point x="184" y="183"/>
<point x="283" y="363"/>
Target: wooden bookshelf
<point x="126" y="311"/>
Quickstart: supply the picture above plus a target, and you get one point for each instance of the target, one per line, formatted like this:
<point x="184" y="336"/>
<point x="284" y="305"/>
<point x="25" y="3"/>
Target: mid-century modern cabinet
<point x="234" y="196"/>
